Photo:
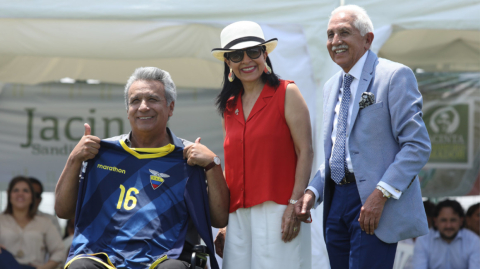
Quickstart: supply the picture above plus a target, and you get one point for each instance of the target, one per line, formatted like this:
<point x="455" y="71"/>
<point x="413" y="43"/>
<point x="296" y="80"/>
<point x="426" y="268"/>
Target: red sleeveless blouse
<point x="260" y="158"/>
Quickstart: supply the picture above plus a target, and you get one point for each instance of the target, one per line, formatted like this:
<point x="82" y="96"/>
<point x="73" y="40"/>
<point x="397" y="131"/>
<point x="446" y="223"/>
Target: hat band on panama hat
<point x="243" y="39"/>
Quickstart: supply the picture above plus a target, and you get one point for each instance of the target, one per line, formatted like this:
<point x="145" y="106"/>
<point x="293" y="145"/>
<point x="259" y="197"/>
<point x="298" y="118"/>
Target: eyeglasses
<point x="237" y="55"/>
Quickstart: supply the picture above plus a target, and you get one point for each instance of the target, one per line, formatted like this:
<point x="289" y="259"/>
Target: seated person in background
<point x="448" y="245"/>
<point x="137" y="196"/>
<point x="38" y="189"/>
<point x="472" y="219"/>
<point x="27" y="236"/>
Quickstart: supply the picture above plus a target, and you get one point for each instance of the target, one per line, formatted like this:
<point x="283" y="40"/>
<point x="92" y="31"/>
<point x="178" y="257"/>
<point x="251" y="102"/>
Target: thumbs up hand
<point x="87" y="147"/>
<point x="198" y="154"/>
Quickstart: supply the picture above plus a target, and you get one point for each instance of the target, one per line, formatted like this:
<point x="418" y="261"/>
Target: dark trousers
<point x="348" y="246"/>
<point x="8" y="261"/>
<point x="92" y="264"/>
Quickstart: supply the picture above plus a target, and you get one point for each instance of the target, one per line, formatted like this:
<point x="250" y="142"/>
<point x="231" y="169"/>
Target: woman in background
<point x="24" y="234"/>
<point x="268" y="155"/>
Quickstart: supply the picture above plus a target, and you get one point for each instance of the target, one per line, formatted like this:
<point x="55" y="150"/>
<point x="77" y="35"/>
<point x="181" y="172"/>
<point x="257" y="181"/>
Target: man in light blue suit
<point x="375" y="144"/>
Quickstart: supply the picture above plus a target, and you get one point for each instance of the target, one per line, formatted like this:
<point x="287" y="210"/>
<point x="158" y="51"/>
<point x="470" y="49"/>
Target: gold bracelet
<point x="292" y="202"/>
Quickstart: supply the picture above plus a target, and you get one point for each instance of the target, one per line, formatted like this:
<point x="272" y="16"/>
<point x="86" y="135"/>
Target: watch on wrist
<point x="385" y="193"/>
<point x="216" y="161"/>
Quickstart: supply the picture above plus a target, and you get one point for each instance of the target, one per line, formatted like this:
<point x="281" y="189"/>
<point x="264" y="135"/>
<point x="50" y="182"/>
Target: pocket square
<point x="367" y="99"/>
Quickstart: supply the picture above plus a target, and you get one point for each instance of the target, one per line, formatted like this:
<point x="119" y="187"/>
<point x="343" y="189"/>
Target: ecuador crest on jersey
<point x="157" y="178"/>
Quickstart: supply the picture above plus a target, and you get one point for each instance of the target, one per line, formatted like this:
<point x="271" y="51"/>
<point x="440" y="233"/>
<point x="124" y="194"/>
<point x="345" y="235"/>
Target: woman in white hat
<point x="268" y="155"/>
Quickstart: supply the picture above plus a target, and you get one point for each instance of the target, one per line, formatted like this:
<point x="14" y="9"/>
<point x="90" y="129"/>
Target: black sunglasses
<point x="237" y="55"/>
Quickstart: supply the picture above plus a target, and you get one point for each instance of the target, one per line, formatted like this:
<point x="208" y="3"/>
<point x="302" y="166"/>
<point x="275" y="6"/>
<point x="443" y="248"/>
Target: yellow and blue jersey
<point x="134" y="205"/>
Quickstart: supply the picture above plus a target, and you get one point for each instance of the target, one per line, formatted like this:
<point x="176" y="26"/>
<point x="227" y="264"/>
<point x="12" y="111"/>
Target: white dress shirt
<point x="356" y="73"/>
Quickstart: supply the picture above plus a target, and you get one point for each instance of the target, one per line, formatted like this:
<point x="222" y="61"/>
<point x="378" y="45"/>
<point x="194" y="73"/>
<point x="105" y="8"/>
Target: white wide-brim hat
<point x="240" y="35"/>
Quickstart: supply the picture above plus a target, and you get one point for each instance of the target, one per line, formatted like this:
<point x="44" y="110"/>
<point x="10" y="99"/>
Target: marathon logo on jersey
<point x="110" y="168"/>
<point x="157" y="178"/>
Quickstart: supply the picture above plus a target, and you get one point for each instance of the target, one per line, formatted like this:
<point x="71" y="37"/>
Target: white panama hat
<point x="240" y="35"/>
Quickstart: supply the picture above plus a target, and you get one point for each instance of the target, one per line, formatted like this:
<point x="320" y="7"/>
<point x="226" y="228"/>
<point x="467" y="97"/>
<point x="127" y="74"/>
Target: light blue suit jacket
<point x="388" y="142"/>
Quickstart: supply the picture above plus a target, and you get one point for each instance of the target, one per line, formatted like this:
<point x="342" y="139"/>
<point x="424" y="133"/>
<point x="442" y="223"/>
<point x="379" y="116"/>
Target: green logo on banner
<point x="447" y="126"/>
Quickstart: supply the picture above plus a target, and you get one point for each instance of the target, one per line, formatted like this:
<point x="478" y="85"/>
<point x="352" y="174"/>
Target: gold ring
<point x="295" y="229"/>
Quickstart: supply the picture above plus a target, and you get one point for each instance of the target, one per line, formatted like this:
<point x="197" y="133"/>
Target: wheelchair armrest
<point x="199" y="256"/>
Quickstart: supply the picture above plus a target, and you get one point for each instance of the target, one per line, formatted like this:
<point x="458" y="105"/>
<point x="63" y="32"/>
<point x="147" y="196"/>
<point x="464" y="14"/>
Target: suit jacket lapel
<point x="365" y="79"/>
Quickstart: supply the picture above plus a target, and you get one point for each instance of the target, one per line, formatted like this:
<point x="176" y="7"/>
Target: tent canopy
<point x="436" y="36"/>
<point x="44" y="41"/>
<point x="49" y="40"/>
<point x="435" y="50"/>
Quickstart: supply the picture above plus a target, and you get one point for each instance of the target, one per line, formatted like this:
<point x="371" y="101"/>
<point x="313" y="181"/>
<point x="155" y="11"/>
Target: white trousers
<point x="254" y="240"/>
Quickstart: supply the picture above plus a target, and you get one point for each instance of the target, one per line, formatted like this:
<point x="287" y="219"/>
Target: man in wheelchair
<point x="141" y="199"/>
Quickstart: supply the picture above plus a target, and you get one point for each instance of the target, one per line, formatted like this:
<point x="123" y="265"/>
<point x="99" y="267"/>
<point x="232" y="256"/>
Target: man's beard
<point x="448" y="238"/>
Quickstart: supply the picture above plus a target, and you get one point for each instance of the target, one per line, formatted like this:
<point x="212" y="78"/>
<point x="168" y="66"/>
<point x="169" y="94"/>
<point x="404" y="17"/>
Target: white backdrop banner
<point x="40" y="125"/>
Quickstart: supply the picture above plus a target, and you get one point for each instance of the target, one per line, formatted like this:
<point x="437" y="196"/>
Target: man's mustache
<point x="339" y="47"/>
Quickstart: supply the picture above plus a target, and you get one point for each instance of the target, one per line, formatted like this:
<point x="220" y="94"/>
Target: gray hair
<point x="361" y="20"/>
<point x="153" y="73"/>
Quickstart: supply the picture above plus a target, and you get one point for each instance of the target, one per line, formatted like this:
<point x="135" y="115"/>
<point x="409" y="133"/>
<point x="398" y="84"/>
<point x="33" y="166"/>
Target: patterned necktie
<point x="339" y="162"/>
